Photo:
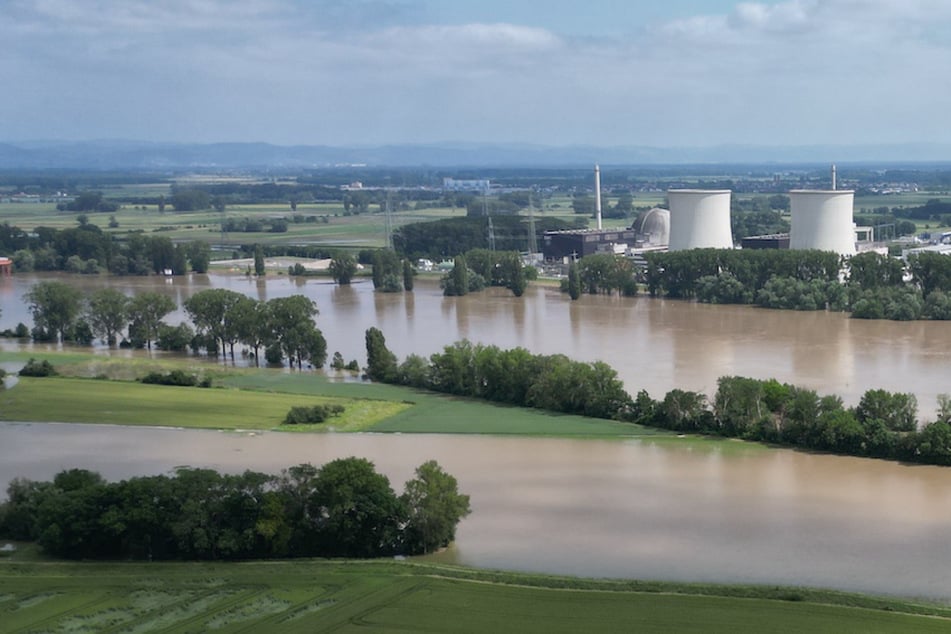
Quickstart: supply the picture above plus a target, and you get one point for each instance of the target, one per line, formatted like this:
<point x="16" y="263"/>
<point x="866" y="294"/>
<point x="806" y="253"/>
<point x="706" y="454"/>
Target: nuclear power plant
<point x="699" y="218"/>
<point x="822" y="219"/>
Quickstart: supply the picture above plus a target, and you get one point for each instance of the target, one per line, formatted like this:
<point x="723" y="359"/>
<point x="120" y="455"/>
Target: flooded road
<point x="671" y="510"/>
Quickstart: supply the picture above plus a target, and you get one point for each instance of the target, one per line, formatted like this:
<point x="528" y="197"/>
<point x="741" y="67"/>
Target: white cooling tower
<point x="822" y="219"/>
<point x="699" y="218"/>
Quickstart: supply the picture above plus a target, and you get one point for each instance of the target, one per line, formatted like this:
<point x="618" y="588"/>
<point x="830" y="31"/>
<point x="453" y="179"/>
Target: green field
<point x="129" y="403"/>
<point x="317" y="596"/>
<point x="258" y="399"/>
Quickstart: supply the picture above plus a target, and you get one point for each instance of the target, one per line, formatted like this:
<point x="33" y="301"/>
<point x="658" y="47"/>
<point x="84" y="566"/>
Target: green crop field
<point x="318" y="596"/>
<point x="130" y="403"/>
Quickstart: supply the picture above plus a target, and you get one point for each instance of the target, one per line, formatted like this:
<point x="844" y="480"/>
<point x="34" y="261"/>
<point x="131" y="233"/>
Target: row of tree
<point x="283" y="327"/>
<point x="872" y="286"/>
<point x="882" y="425"/>
<point x="342" y="509"/>
<point x="516" y="377"/>
<point x="479" y="268"/>
<point x="88" y="249"/>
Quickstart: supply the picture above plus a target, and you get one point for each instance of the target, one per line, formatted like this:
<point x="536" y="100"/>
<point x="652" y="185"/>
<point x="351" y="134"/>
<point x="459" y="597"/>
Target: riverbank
<point x="306" y="595"/>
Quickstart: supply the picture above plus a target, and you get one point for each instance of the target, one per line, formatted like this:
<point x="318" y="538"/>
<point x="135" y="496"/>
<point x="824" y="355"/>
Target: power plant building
<point x="700" y="219"/>
<point x="822" y="219"/>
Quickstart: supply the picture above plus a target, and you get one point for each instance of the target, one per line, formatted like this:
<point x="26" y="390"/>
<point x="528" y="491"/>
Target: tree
<point x="574" y="281"/>
<point x="293" y="330"/>
<point x="343" y="267"/>
<point x="387" y="271"/>
<point x="199" y="255"/>
<point x="358" y="514"/>
<point x="252" y="321"/>
<point x="211" y="313"/>
<point x="381" y="363"/>
<point x="457" y="282"/>
<point x="107" y="313"/>
<point x="898" y="411"/>
<point x="434" y="507"/>
<point x="55" y="307"/>
<point x="513" y="273"/>
<point x="258" y="260"/>
<point x="146" y="311"/>
<point x="408" y="274"/>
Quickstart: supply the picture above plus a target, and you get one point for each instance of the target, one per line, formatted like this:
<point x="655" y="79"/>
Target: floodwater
<point x="671" y="510"/>
<point x="654" y="344"/>
<point x="677" y="510"/>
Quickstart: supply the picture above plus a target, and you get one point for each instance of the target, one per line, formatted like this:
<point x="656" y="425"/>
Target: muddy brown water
<point x="654" y="344"/>
<point x="673" y="510"/>
<point x="664" y="510"/>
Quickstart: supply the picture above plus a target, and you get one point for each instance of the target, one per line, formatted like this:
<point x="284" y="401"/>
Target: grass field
<point x="130" y="403"/>
<point x="318" y="596"/>
<point x="258" y="399"/>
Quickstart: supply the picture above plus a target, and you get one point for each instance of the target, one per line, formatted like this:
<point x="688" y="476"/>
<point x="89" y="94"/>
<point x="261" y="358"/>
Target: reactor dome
<point x="653" y="227"/>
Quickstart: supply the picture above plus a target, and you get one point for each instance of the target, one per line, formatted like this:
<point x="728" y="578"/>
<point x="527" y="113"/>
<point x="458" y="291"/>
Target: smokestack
<point x="833" y="177"/>
<point x="597" y="193"/>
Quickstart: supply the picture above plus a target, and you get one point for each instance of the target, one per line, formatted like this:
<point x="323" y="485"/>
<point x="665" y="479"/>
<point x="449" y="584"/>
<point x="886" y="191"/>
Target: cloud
<point x="373" y="71"/>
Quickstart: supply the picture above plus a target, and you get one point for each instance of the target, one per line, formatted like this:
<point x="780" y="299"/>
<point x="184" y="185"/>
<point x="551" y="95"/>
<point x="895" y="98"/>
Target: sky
<point x="677" y="73"/>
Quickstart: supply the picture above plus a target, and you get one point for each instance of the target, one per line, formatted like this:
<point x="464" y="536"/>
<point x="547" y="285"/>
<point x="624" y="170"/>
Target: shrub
<point x="38" y="368"/>
<point x="312" y="415"/>
<point x="175" y="377"/>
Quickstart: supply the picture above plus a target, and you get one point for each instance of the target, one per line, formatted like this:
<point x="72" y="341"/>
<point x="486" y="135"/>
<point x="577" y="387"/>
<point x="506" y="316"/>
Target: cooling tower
<point x="699" y="218"/>
<point x="822" y="219"/>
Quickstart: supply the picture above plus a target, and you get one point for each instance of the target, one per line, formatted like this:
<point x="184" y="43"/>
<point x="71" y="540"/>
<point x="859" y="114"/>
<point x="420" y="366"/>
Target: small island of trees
<point x="341" y="509"/>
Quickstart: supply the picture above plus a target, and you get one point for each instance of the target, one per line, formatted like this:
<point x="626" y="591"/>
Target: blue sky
<point x="364" y="72"/>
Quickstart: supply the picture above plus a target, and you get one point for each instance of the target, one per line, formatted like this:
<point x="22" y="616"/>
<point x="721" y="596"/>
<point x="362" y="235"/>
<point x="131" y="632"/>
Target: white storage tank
<point x="699" y="219"/>
<point x="822" y="219"/>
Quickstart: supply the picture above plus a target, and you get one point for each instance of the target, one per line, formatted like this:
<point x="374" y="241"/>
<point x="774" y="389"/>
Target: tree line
<point x="479" y="268"/>
<point x="868" y="285"/>
<point x="516" y="377"/>
<point x="88" y="249"/>
<point x="882" y="425"/>
<point x="282" y="327"/>
<point x="341" y="509"/>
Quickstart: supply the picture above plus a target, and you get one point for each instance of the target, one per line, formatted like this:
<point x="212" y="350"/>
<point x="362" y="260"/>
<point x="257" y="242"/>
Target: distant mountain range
<point x="138" y="155"/>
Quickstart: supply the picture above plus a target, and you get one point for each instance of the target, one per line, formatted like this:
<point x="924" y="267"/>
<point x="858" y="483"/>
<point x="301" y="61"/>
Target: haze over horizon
<point x="685" y="73"/>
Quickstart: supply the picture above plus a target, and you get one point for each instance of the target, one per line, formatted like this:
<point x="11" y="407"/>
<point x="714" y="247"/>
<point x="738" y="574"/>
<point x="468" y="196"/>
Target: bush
<point x="312" y="415"/>
<point x="38" y="368"/>
<point x="175" y="377"/>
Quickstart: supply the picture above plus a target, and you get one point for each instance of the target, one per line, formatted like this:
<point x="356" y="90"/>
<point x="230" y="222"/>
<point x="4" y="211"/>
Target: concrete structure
<point x="700" y="218"/>
<point x="6" y="266"/>
<point x="597" y="194"/>
<point x="822" y="219"/>
<point x="653" y="228"/>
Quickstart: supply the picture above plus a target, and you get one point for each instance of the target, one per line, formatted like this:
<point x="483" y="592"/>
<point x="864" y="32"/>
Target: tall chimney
<point x="833" y="177"/>
<point x="597" y="193"/>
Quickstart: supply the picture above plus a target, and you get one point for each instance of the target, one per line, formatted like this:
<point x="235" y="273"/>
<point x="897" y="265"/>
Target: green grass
<point x="436" y="413"/>
<point x="314" y="595"/>
<point x="259" y="398"/>
<point x="128" y="403"/>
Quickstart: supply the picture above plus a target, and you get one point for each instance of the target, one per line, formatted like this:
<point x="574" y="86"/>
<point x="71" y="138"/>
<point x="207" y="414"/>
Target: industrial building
<point x="577" y="243"/>
<point x="700" y="218"/>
